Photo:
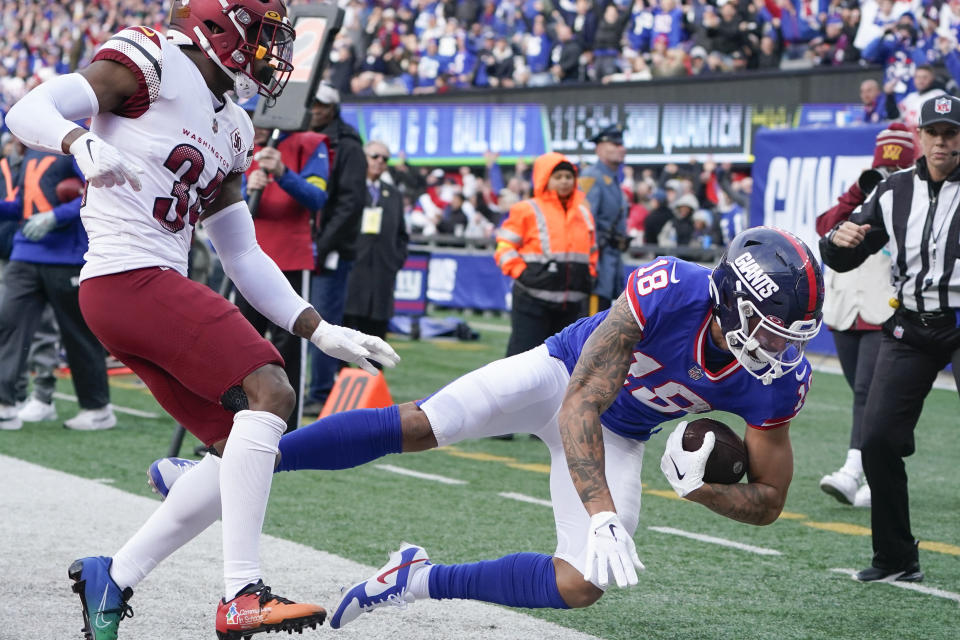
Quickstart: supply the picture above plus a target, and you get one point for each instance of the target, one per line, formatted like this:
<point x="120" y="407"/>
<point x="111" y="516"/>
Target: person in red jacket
<point x="548" y="245"/>
<point x="857" y="303"/>
<point x="292" y="177"/>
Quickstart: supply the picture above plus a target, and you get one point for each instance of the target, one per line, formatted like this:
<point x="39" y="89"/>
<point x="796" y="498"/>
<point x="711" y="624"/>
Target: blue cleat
<point x="164" y="472"/>
<point x="104" y="604"/>
<point x="387" y="586"/>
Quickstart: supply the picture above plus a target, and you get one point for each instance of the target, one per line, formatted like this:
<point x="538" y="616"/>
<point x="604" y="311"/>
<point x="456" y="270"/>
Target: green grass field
<point x="691" y="589"/>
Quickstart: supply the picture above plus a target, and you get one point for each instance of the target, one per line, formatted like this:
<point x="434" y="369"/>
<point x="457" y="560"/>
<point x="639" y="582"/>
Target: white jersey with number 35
<point x="185" y="142"/>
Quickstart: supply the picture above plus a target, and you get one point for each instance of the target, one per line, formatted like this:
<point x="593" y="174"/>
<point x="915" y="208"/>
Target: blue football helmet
<point x="768" y="297"/>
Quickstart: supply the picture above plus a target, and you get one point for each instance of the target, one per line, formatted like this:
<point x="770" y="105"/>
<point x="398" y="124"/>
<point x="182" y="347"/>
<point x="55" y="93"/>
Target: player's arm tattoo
<point x="752" y="503"/>
<point x="594" y="384"/>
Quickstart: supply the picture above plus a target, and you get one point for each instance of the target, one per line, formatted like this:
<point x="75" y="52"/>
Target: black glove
<point x="870" y="178"/>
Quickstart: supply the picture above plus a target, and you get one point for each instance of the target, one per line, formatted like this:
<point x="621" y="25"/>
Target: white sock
<point x="854" y="464"/>
<point x="192" y="505"/>
<point x="246" y="473"/>
<point x="419" y="585"/>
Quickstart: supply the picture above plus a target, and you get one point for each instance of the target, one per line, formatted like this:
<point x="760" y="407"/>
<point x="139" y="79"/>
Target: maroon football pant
<point x="186" y="342"/>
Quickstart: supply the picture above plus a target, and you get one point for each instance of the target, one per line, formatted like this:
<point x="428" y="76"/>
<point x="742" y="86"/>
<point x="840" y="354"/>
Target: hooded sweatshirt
<point x="548" y="249"/>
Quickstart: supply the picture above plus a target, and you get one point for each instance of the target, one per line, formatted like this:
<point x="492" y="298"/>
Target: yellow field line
<point x="835" y="527"/>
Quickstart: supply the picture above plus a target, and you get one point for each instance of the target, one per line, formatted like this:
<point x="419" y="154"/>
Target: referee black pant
<point x="908" y="362"/>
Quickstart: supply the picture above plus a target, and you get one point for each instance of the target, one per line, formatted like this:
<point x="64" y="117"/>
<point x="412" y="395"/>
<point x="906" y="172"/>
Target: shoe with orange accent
<point x="388" y="586"/>
<point x="256" y="609"/>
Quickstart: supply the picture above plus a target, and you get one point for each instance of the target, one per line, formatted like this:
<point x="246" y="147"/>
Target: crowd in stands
<point x="678" y="205"/>
<point x="391" y="47"/>
<point x="427" y="46"/>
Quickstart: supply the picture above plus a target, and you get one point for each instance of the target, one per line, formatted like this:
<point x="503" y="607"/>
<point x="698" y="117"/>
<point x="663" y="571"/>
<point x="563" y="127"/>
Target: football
<point x="68" y="189"/>
<point x="728" y="460"/>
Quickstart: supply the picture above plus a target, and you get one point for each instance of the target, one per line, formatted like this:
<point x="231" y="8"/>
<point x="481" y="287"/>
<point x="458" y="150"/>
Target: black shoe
<point x="911" y="573"/>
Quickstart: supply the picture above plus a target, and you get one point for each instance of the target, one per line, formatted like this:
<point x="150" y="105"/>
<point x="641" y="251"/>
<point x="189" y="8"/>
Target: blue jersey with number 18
<point x="669" y="376"/>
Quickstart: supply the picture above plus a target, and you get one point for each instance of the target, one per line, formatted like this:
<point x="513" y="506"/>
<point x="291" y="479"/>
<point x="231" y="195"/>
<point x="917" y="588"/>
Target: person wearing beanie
<point x="857" y="304"/>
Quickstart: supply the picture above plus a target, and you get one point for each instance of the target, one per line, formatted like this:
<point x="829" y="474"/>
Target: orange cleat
<point x="255" y="610"/>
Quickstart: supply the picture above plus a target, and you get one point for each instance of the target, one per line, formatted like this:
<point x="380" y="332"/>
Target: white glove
<point x="102" y="164"/>
<point x="684" y="469"/>
<point x="610" y="546"/>
<point x="352" y="346"/>
<point x="39" y="225"/>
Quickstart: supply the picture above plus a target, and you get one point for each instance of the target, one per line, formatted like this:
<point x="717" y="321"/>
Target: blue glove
<point x="39" y="225"/>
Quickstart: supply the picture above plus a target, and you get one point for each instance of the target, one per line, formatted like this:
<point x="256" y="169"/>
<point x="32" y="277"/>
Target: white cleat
<point x="9" y="420"/>
<point x="862" y="499"/>
<point x="92" y="419"/>
<point x="387" y="586"/>
<point x="841" y="485"/>
<point x="36" y="410"/>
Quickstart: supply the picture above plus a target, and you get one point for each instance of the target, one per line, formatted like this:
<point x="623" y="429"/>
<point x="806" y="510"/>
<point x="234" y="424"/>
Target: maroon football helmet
<point x="234" y="34"/>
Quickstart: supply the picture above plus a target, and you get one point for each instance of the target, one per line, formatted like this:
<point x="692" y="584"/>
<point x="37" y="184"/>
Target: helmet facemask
<point x="254" y="46"/>
<point x="269" y="40"/>
<point x="765" y="347"/>
<point x="767" y="295"/>
<point x="761" y="343"/>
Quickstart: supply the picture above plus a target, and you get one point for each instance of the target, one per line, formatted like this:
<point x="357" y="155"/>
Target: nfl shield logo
<point x="694" y="372"/>
<point x="942" y="105"/>
<point x="898" y="332"/>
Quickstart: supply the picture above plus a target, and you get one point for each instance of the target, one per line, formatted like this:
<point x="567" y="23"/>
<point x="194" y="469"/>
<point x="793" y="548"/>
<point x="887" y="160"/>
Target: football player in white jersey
<point x="167" y="149"/>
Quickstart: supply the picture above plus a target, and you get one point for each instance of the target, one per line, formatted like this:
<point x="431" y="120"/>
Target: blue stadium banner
<point x="468" y="281"/>
<point x="410" y="289"/>
<point x="829" y="115"/>
<point x="657" y="133"/>
<point x="799" y="173"/>
<point x="453" y="134"/>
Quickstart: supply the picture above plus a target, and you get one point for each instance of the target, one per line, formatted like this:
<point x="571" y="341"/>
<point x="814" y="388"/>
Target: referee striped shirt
<point x="920" y="226"/>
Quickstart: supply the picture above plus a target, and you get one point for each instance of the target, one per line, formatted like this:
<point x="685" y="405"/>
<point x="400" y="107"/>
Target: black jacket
<point x="924" y="248"/>
<point x="569" y="61"/>
<point x="339" y="223"/>
<point x="380" y="256"/>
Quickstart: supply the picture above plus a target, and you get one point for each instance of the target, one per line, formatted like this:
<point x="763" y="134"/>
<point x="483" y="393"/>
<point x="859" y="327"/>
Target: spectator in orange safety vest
<point x="548" y="246"/>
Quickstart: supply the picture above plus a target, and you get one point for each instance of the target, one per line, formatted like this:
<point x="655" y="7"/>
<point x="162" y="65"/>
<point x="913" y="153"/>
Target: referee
<point x="914" y="213"/>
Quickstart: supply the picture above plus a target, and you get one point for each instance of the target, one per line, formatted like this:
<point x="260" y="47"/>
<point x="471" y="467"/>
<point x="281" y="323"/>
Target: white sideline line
<point x="720" y="541"/>
<point x="522" y="498"/>
<point x="912" y="586"/>
<point x="118" y="409"/>
<point x="417" y="474"/>
<point x="47" y="522"/>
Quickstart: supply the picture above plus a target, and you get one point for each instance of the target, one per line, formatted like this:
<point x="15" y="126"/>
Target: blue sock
<point x="518" y="580"/>
<point x="342" y="440"/>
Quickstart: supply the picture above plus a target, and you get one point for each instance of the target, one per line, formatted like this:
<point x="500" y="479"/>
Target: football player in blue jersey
<point x="680" y="339"/>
